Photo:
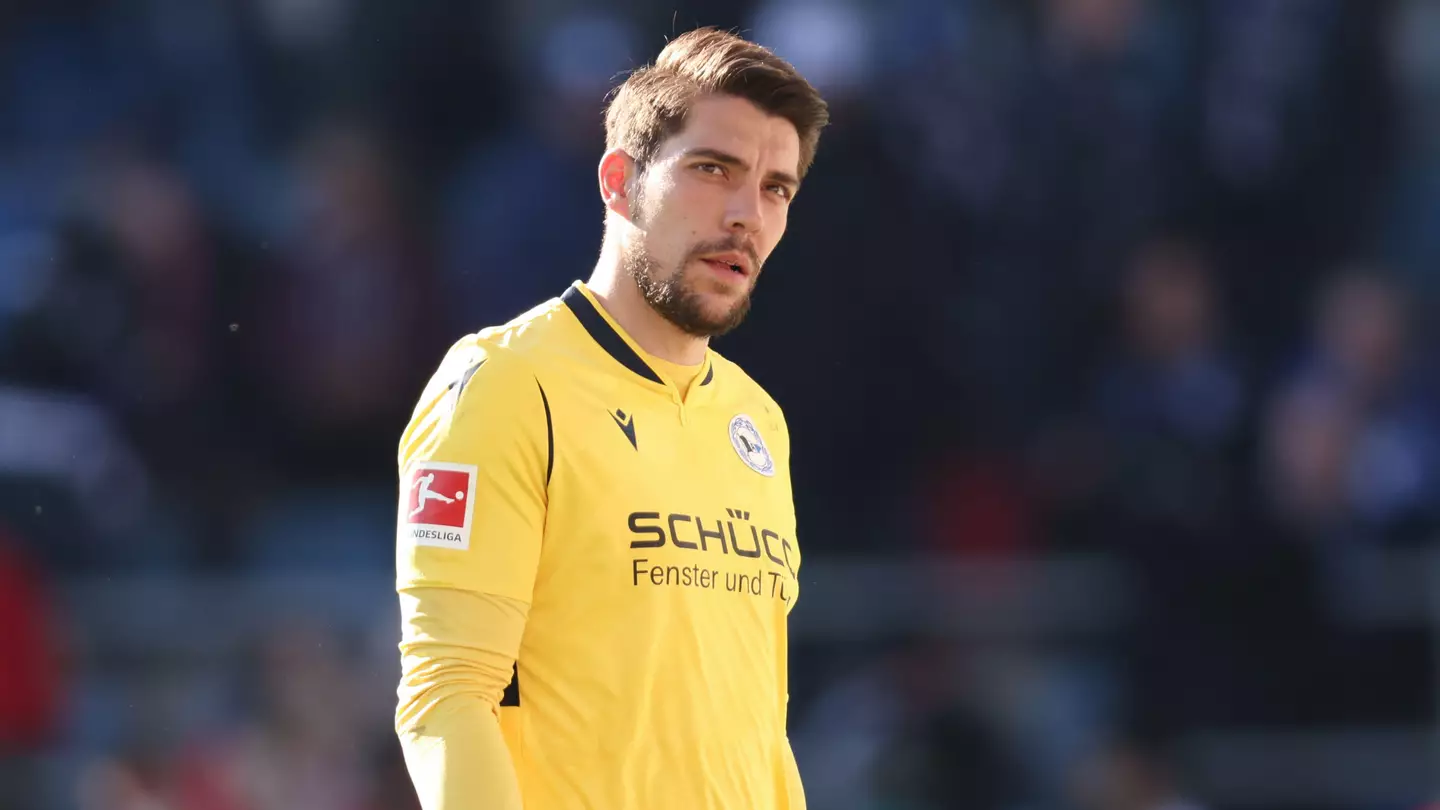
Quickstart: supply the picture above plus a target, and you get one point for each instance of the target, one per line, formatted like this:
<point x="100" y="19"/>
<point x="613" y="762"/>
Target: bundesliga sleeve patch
<point x="437" y="504"/>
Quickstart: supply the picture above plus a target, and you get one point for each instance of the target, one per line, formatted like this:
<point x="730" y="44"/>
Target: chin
<point x="704" y="308"/>
<point x="719" y="305"/>
<point x="723" y="319"/>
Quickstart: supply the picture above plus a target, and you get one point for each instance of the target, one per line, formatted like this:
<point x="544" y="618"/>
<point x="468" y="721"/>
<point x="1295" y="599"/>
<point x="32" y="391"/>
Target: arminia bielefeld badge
<point x="748" y="444"/>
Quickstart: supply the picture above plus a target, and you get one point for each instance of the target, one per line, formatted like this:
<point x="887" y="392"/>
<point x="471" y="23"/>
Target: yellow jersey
<point x="618" y="547"/>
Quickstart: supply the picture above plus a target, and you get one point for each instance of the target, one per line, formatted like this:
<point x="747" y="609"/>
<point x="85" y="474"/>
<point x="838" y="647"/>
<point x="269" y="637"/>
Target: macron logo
<point x="627" y="424"/>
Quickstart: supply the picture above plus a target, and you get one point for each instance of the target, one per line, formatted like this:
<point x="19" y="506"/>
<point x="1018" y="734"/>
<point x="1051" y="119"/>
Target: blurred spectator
<point x="1353" y="436"/>
<point x="1170" y="398"/>
<point x="1350" y="464"/>
<point x="1043" y="137"/>
<point x="1171" y="409"/>
<point x="168" y="266"/>
<point x="127" y="311"/>
<point x="31" y="678"/>
<point x="347" y="325"/>
<point x="300" y="745"/>
<point x="1263" y="84"/>
<point x="1094" y="114"/>
<point x="1149" y="457"/>
<point x="1311" y="448"/>
<point x="31" y="681"/>
<point x="522" y="215"/>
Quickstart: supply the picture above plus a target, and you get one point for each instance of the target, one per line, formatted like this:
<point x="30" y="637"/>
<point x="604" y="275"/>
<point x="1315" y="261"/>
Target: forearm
<point x="795" y="793"/>
<point x="457" y="758"/>
<point x="458" y="650"/>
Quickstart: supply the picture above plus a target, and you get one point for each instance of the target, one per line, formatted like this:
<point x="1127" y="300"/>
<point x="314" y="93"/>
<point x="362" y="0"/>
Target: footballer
<point x="597" y="552"/>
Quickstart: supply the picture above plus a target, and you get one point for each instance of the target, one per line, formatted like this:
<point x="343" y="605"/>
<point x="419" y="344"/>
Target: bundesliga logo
<point x="438" y="504"/>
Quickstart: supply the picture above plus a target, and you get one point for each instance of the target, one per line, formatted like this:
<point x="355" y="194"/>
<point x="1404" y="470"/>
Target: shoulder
<point x="527" y="334"/>
<point x="475" y="364"/>
<point x="484" y="391"/>
<point x="499" y="356"/>
<point x="747" y="391"/>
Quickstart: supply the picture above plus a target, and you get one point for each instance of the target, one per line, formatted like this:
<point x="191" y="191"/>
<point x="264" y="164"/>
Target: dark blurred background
<point x="1102" y="327"/>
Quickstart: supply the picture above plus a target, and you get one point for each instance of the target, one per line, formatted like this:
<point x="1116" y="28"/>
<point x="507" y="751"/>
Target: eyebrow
<point x="731" y="160"/>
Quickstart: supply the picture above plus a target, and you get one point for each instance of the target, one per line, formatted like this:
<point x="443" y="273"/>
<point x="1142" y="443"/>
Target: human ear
<point x="617" y="172"/>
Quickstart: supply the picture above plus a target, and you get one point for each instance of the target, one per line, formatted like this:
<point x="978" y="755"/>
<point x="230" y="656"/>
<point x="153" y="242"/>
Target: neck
<point x="622" y="300"/>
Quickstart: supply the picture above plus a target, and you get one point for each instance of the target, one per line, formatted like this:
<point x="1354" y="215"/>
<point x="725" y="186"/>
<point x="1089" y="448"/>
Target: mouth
<point x="734" y="262"/>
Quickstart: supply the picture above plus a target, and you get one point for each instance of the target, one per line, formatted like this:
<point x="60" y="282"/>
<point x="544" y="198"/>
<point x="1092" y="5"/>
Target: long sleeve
<point x="793" y="789"/>
<point x="457" y="652"/>
<point x="474" y="464"/>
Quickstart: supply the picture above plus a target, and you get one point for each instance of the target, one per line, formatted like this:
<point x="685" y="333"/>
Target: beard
<point x="670" y="293"/>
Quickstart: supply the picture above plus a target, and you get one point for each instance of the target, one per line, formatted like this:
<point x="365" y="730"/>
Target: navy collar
<point x="604" y="334"/>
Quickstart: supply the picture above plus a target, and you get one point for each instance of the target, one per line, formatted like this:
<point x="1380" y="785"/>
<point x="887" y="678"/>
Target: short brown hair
<point x="654" y="101"/>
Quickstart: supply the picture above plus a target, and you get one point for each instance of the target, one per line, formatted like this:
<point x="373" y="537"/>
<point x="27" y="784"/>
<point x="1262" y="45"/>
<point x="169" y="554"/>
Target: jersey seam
<point x="549" y="434"/>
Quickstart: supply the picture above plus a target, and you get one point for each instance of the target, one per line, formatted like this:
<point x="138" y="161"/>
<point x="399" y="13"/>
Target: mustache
<point x="723" y="245"/>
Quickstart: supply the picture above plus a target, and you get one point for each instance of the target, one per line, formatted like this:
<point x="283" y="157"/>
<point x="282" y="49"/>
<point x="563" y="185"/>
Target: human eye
<point x="711" y="168"/>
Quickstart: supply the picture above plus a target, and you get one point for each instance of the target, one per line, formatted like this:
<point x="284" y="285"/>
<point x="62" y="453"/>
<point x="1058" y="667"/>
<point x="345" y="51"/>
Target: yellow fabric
<point x="458" y="650"/>
<point x="629" y="550"/>
<point x="682" y="377"/>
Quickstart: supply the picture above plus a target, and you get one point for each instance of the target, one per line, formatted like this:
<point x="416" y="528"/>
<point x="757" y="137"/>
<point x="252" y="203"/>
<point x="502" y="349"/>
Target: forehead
<point x="740" y="128"/>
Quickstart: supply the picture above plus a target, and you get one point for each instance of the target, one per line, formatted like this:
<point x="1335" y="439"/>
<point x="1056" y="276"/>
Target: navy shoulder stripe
<point x="605" y="335"/>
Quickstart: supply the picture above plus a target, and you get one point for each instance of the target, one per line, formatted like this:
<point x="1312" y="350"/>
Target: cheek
<point x="687" y="221"/>
<point x="667" y="236"/>
<point x="774" y="230"/>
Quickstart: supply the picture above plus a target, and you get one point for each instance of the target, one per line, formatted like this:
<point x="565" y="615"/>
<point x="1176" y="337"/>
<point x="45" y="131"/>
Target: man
<point x="597" y="616"/>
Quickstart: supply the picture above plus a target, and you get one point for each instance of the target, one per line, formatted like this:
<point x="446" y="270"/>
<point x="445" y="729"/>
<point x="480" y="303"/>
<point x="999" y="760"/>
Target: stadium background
<point x="1102" y="327"/>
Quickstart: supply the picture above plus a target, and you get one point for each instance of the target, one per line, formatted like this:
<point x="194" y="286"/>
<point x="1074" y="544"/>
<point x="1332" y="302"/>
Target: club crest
<point x="745" y="438"/>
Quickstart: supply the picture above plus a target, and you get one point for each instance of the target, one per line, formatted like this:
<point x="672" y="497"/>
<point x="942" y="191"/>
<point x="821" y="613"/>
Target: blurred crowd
<point x="1144" y="279"/>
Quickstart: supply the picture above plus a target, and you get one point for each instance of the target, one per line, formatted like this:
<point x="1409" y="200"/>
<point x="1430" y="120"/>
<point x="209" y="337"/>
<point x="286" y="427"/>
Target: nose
<point x="744" y="213"/>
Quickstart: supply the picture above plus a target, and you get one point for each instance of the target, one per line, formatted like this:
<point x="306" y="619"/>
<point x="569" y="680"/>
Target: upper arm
<point x="478" y="452"/>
